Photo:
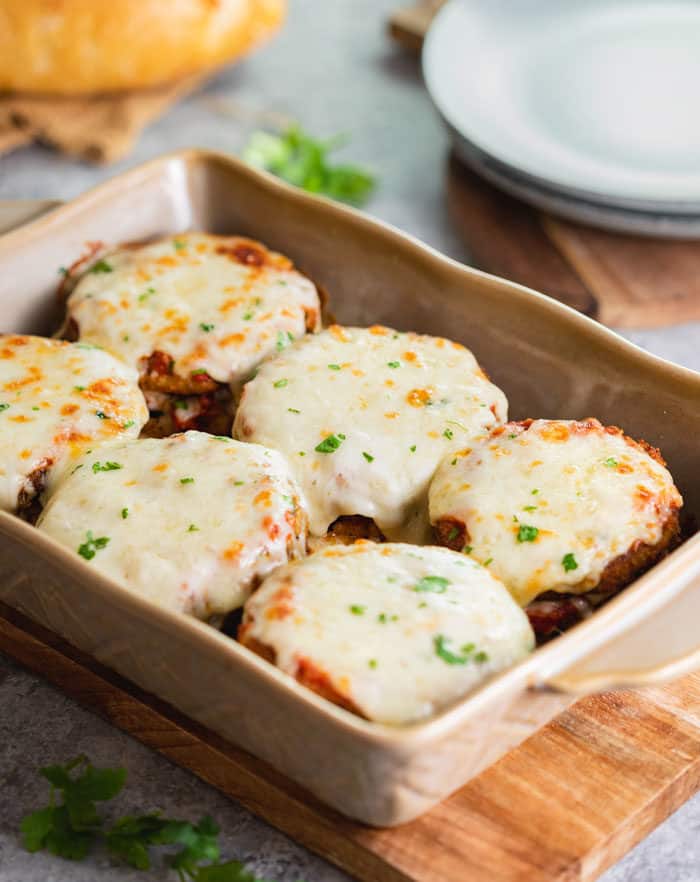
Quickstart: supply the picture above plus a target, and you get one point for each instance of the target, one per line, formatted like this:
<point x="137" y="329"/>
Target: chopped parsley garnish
<point x="454" y="461"/>
<point x="412" y="448"/>
<point x="3" y="407"/>
<point x="247" y="316"/>
<point x="334" y="367"/>
<point x="487" y="561"/>
<point x="393" y="364"/>
<point x="368" y="456"/>
<point x="534" y="492"/>
<point x="106" y="467"/>
<point x="187" y="480"/>
<point x="383" y="618"/>
<point x="101" y="267"/>
<point x="280" y="384"/>
<point x="454" y="533"/>
<point x="193" y="528"/>
<point x="240" y="484"/>
<point x="466" y="655"/>
<point x="146" y="294"/>
<point x="372" y="663"/>
<point x="357" y="610"/>
<point x="467" y="549"/>
<point x="221" y="437"/>
<point x="527" y="533"/>
<point x="128" y="424"/>
<point x="449" y="434"/>
<point x="92" y="545"/>
<point x="611" y="462"/>
<point x="301" y="160"/>
<point x="512" y="436"/>
<point x="293" y="410"/>
<point x="62" y="271"/>
<point x="197" y="373"/>
<point x="125" y="513"/>
<point x="206" y="327"/>
<point x="438" y="584"/>
<point x="284" y="339"/>
<point x="569" y="562"/>
<point x="329" y="444"/>
<point x="178" y="244"/>
<point x="101" y="415"/>
<point x="529" y="508"/>
<point x="79" y="388"/>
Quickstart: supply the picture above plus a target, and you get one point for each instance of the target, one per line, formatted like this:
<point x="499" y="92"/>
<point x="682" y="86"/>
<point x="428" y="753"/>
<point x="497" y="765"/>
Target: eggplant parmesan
<point x="56" y="400"/>
<point x="194" y="313"/>
<point x="564" y="512"/>
<point x="390" y="632"/>
<point x="192" y="522"/>
<point x="364" y="416"/>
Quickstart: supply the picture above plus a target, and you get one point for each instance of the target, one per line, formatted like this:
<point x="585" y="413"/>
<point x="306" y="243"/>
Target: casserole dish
<point x="550" y="361"/>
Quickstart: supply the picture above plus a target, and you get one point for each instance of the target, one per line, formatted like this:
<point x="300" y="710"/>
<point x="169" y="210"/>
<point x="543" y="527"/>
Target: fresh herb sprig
<point x="298" y="158"/>
<point x="71" y="827"/>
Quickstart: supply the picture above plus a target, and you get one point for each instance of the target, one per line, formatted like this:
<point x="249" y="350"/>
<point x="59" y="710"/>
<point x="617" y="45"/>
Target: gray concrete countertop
<point x="334" y="71"/>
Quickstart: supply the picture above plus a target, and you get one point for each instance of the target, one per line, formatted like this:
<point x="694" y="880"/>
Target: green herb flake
<point x="529" y="508"/>
<point x="512" y="436"/>
<point x="467" y="549"/>
<point x="372" y="663"/>
<point x="393" y="364"/>
<point x="357" y="610"/>
<point x="128" y="424"/>
<point x="178" y="244"/>
<point x="206" y="327"/>
<point x="527" y="533"/>
<point x="453" y="534"/>
<point x="125" y="513"/>
<point x="241" y="483"/>
<point x="449" y="434"/>
<point x="196" y="373"/>
<point x="92" y="545"/>
<point x="193" y="528"/>
<point x="535" y="491"/>
<point x="368" y="456"/>
<point x="569" y="562"/>
<point x="412" y="448"/>
<point x="466" y="653"/>
<point x="284" y="339"/>
<point x="101" y="267"/>
<point x="79" y="388"/>
<point x="248" y="315"/>
<point x="101" y="415"/>
<point x="302" y="160"/>
<point x="187" y="480"/>
<point x="488" y="561"/>
<point x="280" y="384"/>
<point x="293" y="410"/>
<point x="334" y="367"/>
<point x="382" y="618"/>
<point x="436" y="584"/>
<point x="329" y="444"/>
<point x="611" y="462"/>
<point x="221" y="437"/>
<point x="146" y="294"/>
<point x="106" y="467"/>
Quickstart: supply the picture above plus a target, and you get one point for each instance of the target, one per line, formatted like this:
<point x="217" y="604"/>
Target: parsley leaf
<point x="569" y="562"/>
<point x="368" y="456"/>
<point x="329" y="444"/>
<point x="452" y="658"/>
<point x="101" y="266"/>
<point x="437" y="584"/>
<point x="91" y="546"/>
<point x="527" y="533"/>
<point x="280" y="384"/>
<point x="106" y="467"/>
<point x="301" y="160"/>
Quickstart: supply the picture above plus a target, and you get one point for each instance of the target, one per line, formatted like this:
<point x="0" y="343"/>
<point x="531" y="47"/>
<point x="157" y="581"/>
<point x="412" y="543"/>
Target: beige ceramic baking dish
<point x="551" y="362"/>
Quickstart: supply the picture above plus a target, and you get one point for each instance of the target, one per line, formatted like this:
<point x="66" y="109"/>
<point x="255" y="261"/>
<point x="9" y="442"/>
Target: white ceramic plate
<point x="600" y="98"/>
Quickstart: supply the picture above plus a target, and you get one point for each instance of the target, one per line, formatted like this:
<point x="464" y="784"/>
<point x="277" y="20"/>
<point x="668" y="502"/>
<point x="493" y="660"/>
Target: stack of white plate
<point x="587" y="108"/>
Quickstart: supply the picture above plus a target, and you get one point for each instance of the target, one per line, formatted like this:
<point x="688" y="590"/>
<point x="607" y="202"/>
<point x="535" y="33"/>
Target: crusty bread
<point x="73" y="47"/>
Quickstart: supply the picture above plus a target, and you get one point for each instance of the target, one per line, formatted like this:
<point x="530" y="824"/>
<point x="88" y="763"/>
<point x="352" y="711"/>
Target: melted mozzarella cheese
<point x="191" y="521"/>
<point x="212" y="303"/>
<point x="397" y="631"/>
<point x="56" y="399"/>
<point x="364" y="417"/>
<point x="549" y="506"/>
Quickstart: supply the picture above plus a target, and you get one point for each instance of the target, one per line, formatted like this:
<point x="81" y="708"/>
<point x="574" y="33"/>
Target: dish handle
<point x="660" y="643"/>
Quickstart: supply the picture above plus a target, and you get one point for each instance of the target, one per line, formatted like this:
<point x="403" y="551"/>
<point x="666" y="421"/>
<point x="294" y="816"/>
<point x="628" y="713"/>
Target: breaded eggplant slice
<point x="557" y="507"/>
<point x="194" y="311"/>
<point x="392" y="632"/>
<point x="364" y="416"/>
<point x="192" y="522"/>
<point x="56" y="400"/>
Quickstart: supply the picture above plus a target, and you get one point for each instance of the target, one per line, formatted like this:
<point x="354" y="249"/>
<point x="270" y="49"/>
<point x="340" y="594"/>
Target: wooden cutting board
<point x="562" y="807"/>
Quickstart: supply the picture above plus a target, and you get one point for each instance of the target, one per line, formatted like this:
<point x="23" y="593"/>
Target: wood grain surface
<point x="622" y="280"/>
<point x="562" y="807"/>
